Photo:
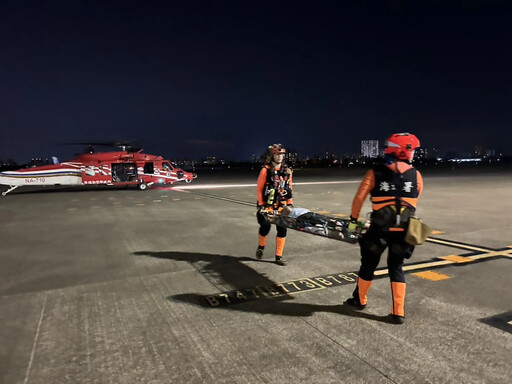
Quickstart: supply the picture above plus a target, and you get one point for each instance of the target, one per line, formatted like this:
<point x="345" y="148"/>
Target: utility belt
<point x="388" y="219"/>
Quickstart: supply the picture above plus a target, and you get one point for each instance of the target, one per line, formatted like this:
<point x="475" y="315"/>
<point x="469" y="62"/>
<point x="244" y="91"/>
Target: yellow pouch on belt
<point x="417" y="231"/>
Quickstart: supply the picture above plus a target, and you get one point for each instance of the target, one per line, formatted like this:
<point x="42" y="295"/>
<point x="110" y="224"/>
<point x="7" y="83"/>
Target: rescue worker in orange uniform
<point x="274" y="192"/>
<point x="395" y="187"/>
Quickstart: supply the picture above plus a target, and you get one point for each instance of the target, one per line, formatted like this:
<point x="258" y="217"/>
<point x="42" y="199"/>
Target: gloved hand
<point x="263" y="207"/>
<point x="352" y="226"/>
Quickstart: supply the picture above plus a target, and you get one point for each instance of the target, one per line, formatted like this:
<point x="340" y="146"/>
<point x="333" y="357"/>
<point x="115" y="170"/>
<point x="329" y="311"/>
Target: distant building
<point x="421" y="153"/>
<point x="292" y="157"/>
<point x="479" y="151"/>
<point x="370" y="148"/>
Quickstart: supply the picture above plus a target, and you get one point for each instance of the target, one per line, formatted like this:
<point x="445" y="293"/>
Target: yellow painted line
<point x="492" y="254"/>
<point x="426" y="265"/>
<point x="157" y="201"/>
<point x="323" y="212"/>
<point x="436" y="232"/>
<point x="164" y="196"/>
<point x="457" y="258"/>
<point x="139" y="204"/>
<point x="340" y="215"/>
<point x="431" y="264"/>
<point x="176" y="199"/>
<point x="431" y="275"/>
<point x="464" y="246"/>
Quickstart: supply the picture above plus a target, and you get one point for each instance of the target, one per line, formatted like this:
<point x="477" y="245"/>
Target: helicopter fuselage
<point x="107" y="168"/>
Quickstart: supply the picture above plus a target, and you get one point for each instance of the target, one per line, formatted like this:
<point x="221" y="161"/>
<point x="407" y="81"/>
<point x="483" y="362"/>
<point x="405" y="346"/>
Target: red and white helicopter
<point x="126" y="167"/>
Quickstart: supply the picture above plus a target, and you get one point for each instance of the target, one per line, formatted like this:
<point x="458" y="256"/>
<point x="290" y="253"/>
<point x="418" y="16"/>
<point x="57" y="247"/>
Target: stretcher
<point x="303" y="220"/>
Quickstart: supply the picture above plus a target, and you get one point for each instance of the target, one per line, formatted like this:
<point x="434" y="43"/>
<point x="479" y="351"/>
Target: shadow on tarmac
<point x="225" y="269"/>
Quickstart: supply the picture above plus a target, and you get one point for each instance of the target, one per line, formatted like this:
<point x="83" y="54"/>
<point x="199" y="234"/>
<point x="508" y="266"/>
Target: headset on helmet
<point x="275" y="149"/>
<point x="401" y="145"/>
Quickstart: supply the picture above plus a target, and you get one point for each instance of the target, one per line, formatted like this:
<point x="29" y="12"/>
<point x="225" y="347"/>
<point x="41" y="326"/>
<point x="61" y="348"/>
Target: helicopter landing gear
<point x="143" y="186"/>
<point x="12" y="188"/>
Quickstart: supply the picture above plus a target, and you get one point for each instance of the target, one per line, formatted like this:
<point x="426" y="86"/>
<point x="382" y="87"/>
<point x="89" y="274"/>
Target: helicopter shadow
<point x="225" y="270"/>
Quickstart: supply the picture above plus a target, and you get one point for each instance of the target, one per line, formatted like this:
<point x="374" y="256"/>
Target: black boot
<point x="280" y="260"/>
<point x="396" y="319"/>
<point x="259" y="252"/>
<point x="354" y="302"/>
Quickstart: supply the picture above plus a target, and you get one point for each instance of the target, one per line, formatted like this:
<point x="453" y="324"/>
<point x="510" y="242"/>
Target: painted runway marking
<point x="250" y="204"/>
<point x="222" y="186"/>
<point x="431" y="275"/>
<point x="456" y="244"/>
<point x="36" y="337"/>
<point x="280" y="289"/>
<point x="456" y="258"/>
<point x="337" y="279"/>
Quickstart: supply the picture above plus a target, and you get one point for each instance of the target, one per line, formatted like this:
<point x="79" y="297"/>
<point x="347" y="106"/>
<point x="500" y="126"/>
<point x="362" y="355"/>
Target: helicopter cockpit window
<point x="166" y="167"/>
<point x="149" y="168"/>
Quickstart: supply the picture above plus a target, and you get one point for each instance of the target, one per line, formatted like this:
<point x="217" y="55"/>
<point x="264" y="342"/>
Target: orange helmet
<point x="276" y="149"/>
<point x="401" y="145"/>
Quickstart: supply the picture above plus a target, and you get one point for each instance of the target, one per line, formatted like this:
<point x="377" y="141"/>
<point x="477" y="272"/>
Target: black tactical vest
<point x="395" y="186"/>
<point x="277" y="186"/>
<point x="389" y="183"/>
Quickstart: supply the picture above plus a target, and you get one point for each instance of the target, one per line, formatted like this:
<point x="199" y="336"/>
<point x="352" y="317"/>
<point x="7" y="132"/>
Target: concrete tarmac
<point x="162" y="286"/>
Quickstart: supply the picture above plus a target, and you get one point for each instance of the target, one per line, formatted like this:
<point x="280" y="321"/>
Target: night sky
<point x="227" y="78"/>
